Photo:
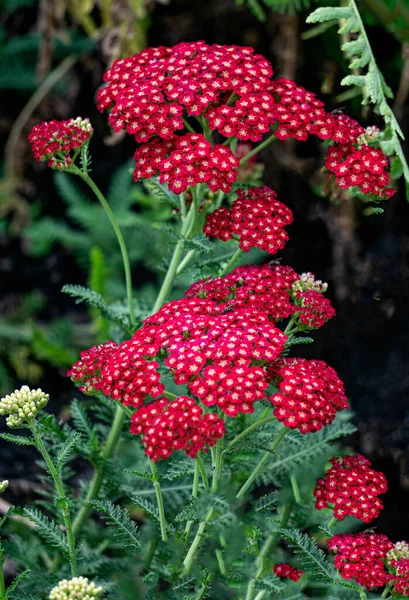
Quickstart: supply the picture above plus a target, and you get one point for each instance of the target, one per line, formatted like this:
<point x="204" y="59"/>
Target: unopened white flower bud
<point x="307" y="281"/>
<point x="22" y="405"/>
<point x="79" y="588"/>
<point x="399" y="551"/>
<point x="83" y="124"/>
<point x="3" y="486"/>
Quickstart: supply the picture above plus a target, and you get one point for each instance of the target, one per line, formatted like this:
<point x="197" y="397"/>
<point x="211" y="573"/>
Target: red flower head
<point x="310" y="395"/>
<point x="177" y="425"/>
<point x="185" y="161"/>
<point x="53" y="141"/>
<point x="352" y="487"/>
<point x="256" y="216"/>
<point x="288" y="571"/>
<point x="87" y="371"/>
<point x="360" y="556"/>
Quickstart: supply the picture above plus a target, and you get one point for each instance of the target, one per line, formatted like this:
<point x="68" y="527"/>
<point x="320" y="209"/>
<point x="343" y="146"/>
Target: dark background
<point x="365" y="259"/>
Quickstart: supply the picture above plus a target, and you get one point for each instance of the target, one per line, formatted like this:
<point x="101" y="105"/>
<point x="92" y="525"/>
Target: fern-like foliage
<point x="371" y="81"/>
<point x="312" y="559"/>
<point x="83" y="294"/>
<point x="20" y="440"/>
<point x="48" y="530"/>
<point x="124" y="529"/>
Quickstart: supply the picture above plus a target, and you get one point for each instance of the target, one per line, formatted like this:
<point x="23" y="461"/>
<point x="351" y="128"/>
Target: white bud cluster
<point x="22" y="405"/>
<point x="3" y="486"/>
<point x="400" y="550"/>
<point x="79" y="588"/>
<point x="83" y="124"/>
<point x="307" y="281"/>
<point x="370" y="135"/>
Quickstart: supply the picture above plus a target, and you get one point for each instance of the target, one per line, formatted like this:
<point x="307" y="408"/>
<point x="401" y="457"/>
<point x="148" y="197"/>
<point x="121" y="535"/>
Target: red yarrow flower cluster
<point x="256" y="216"/>
<point x="401" y="579"/>
<point x="185" y="161"/>
<point x="311" y="394"/>
<point x="288" y="571"/>
<point x="53" y="141"/>
<point x="275" y="290"/>
<point x="352" y="487"/>
<point x="364" y="167"/>
<point x="360" y="556"/>
<point x="214" y="352"/>
<point x="125" y="372"/>
<point x="177" y="425"/>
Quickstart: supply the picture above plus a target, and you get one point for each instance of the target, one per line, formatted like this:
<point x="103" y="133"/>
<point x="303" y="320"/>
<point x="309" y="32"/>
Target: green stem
<point x="218" y="466"/>
<point x="3" y="595"/>
<point x="296" y="489"/>
<point x="119" y="236"/>
<point x="270" y="543"/>
<point x="54" y="472"/>
<point x="201" y="593"/>
<point x="195" y="490"/>
<point x="159" y="500"/>
<point x="258" y="148"/>
<point x="187" y="228"/>
<point x="261" y="464"/>
<point x="246" y="431"/>
<point x="260" y="595"/>
<point x="231" y="262"/>
<point x="250" y="589"/>
<point x="202" y="468"/>
<point x="188" y="257"/>
<point x="188" y="127"/>
<point x="332" y="523"/>
<point x="220" y="561"/>
<point x="96" y="482"/>
<point x="169" y="395"/>
<point x="188" y="562"/>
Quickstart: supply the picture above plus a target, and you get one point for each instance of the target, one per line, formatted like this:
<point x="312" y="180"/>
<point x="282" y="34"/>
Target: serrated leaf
<point x="67" y="448"/>
<point x="124" y="529"/>
<point x="312" y="559"/>
<point x="47" y="529"/>
<point x="329" y="13"/>
<point x="21" y="440"/>
<point x="267" y="502"/>
<point x="143" y="474"/>
<point x="150" y="510"/>
<point x="83" y="294"/>
<point x="161" y="191"/>
<point x="358" y="80"/>
<point x="373" y="84"/>
<point x="17" y="580"/>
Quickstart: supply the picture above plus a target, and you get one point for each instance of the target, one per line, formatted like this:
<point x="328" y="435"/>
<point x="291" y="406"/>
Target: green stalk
<point x="195" y="491"/>
<point x="60" y="489"/>
<point x="270" y="543"/>
<point x="261" y="464"/>
<point x="296" y="489"/>
<point x="332" y="523"/>
<point x="250" y="589"/>
<point x="3" y="595"/>
<point x="119" y="236"/>
<point x="248" y="430"/>
<point x="258" y="148"/>
<point x="220" y="562"/>
<point x="231" y="262"/>
<point x="187" y="228"/>
<point x="159" y="500"/>
<point x="96" y="482"/>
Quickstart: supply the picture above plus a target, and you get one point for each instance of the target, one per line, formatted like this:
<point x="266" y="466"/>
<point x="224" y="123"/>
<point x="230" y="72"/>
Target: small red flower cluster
<point x="352" y="487"/>
<point x="256" y="216"/>
<point x="184" y="161"/>
<point x="177" y="425"/>
<point x="295" y="110"/>
<point x="310" y="395"/>
<point x="364" y="167"/>
<point x="120" y="372"/>
<point x="401" y="579"/>
<point x="288" y="571"/>
<point x="360" y="556"/>
<point x="276" y="290"/>
<point x="52" y="141"/>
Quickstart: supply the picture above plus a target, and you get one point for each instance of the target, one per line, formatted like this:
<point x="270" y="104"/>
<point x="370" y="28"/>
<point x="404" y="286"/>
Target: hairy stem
<point x="96" y="481"/>
<point x="261" y="464"/>
<point x="119" y="236"/>
<point x="195" y="490"/>
<point x="55" y="474"/>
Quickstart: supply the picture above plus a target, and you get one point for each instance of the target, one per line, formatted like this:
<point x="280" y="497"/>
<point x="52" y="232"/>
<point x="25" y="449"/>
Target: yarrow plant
<point x="205" y="425"/>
